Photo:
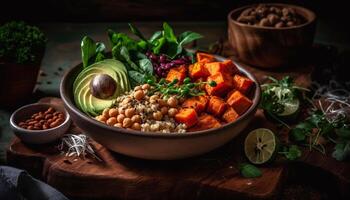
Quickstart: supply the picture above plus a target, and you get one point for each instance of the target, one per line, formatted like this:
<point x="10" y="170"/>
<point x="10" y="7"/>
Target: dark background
<point x="145" y="10"/>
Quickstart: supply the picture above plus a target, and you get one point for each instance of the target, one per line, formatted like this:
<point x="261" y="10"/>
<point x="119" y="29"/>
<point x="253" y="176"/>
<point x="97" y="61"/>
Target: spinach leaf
<point x="88" y="50"/>
<point x="136" y="76"/>
<point x="249" y="171"/>
<point x="188" y="36"/>
<point x="146" y="66"/>
<point x="155" y="36"/>
<point x="91" y="52"/>
<point x="124" y="53"/>
<point x="158" y="46"/>
<point x="137" y="32"/>
<point x="168" y="33"/>
<point x="100" y="50"/>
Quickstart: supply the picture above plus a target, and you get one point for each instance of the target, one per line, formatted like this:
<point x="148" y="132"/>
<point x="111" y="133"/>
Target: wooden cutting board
<point x="211" y="176"/>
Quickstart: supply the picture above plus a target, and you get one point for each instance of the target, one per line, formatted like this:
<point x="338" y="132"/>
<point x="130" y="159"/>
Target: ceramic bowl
<point x="270" y="47"/>
<point x="38" y="136"/>
<point x="150" y="145"/>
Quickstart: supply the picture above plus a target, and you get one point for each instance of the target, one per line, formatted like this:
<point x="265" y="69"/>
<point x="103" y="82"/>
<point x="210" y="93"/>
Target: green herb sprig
<point x="188" y="88"/>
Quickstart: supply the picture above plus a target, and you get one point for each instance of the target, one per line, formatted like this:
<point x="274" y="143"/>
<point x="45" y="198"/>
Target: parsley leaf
<point x="291" y="153"/>
<point x="249" y="170"/>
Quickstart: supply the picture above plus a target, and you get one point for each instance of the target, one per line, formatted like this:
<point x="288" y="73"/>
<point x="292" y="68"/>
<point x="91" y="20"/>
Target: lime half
<point x="290" y="108"/>
<point x="260" y="145"/>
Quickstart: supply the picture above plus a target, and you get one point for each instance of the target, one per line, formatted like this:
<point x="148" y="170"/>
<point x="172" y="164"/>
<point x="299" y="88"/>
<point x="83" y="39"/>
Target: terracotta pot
<point x="17" y="83"/>
<point x="270" y="47"/>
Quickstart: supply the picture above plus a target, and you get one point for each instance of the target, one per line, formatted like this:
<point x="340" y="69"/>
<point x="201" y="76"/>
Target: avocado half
<point x="82" y="96"/>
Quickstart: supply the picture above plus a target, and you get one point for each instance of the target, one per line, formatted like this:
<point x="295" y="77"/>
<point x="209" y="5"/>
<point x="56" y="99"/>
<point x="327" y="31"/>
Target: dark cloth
<point x="16" y="184"/>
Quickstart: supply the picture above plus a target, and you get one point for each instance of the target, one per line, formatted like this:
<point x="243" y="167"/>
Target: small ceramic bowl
<point x="270" y="47"/>
<point x="38" y="136"/>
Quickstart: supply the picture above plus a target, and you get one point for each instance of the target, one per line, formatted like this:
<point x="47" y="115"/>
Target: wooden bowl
<point x="151" y="145"/>
<point x="269" y="47"/>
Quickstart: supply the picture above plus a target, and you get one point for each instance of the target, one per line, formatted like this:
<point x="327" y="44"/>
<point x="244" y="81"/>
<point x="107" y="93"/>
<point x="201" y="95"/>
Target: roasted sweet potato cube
<point x="230" y="115"/>
<point x="187" y="116"/>
<point x="204" y="57"/>
<point x="198" y="70"/>
<point x="225" y="67"/>
<point x="176" y="73"/>
<point x="205" y="122"/>
<point x="239" y="102"/>
<point x="223" y="84"/>
<point x="199" y="103"/>
<point x="241" y="83"/>
<point x="229" y="66"/>
<point x="216" y="106"/>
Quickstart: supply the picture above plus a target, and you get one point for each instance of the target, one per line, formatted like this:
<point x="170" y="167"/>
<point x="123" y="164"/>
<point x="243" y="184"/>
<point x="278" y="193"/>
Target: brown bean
<point x="48" y="116"/>
<point x="50" y="110"/>
<point x="45" y="126"/>
<point x="30" y="127"/>
<point x="21" y="123"/>
<point x="273" y="19"/>
<point x="279" y="25"/>
<point x="39" y="117"/>
<point x="290" y="23"/>
<point x="32" y="122"/>
<point x="61" y="115"/>
<point x="53" y="124"/>
<point x="264" y="22"/>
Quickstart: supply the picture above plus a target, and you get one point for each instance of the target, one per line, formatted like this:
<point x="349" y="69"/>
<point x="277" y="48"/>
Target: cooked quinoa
<point x="140" y="110"/>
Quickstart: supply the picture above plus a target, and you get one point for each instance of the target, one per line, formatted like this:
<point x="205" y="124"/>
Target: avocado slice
<point x="83" y="98"/>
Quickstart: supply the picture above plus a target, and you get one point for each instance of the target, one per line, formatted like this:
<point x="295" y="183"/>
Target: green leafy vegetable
<point x="291" y="153"/>
<point x="21" y="43"/>
<point x="249" y="170"/>
<point x="91" y="52"/>
<point x="341" y="150"/>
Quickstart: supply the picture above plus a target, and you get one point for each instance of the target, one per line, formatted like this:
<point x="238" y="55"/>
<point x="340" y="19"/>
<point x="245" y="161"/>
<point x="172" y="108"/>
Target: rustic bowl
<point x="151" y="145"/>
<point x="269" y="47"/>
<point x="38" y="136"/>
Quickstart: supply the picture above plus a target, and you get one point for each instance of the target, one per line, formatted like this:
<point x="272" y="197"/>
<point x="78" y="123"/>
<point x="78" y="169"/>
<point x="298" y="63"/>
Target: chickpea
<point x="154" y="127"/>
<point x="111" y="121"/>
<point x="136" y="126"/>
<point x="119" y="125"/>
<point x="162" y="102"/>
<point x="136" y="118"/>
<point x="172" y="102"/>
<point x="127" y="122"/>
<point x="164" y="110"/>
<point x="121" y="110"/>
<point x="153" y="98"/>
<point x="129" y="112"/>
<point x="138" y="88"/>
<point x="138" y="95"/>
<point x="172" y="112"/>
<point x="145" y="86"/>
<point x="113" y="112"/>
<point x="120" y="118"/>
<point x="126" y="101"/>
<point x="157" y="115"/>
<point x="105" y="113"/>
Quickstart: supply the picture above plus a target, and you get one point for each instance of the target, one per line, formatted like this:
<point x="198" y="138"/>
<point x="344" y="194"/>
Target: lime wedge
<point x="260" y="145"/>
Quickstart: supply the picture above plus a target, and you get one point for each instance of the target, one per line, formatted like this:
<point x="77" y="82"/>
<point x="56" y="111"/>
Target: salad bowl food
<point x="163" y="115"/>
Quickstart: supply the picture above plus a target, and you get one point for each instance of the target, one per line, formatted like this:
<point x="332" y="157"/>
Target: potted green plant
<point x="21" y="50"/>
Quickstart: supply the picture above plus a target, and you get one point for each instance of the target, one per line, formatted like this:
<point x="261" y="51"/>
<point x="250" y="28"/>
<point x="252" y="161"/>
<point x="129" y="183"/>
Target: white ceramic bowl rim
<point x="255" y="100"/>
<point x="14" y="114"/>
<point x="309" y="21"/>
